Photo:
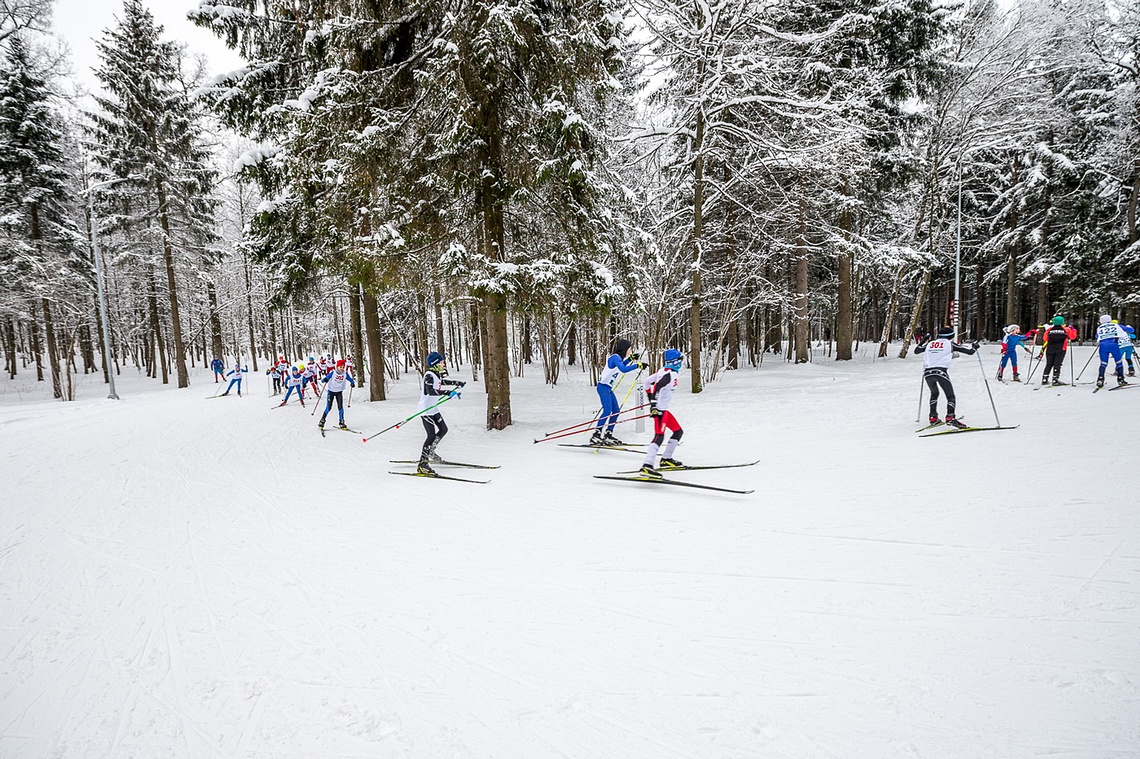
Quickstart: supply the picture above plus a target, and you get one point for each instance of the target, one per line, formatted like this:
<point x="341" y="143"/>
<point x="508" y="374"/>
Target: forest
<point x="519" y="182"/>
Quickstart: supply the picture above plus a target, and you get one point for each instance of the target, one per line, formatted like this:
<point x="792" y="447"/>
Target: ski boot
<point x="423" y="468"/>
<point x="1131" y="372"/>
<point x="609" y="439"/>
<point x="670" y="464"/>
<point x="239" y="393"/>
<point x="1120" y="381"/>
<point x="282" y="403"/>
<point x="934" y="419"/>
<point x="952" y="421"/>
<point x="596" y="438"/>
<point x="1016" y="377"/>
<point x="1044" y="380"/>
<point x="224" y="394"/>
<point x="342" y="425"/>
<point x="321" y="423"/>
<point x="999" y="375"/>
<point x="650" y="472"/>
<point x="1099" y="382"/>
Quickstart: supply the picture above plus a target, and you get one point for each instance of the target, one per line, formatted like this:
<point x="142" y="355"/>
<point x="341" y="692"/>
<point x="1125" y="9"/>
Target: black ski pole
<point x="1033" y="366"/>
<point x="1086" y="366"/>
<point x="921" y="387"/>
<point x="985" y="379"/>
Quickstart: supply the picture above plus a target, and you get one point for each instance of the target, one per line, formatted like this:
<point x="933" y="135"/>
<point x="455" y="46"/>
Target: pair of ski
<point x="950" y="430"/>
<point x="1118" y="387"/>
<point x="437" y="476"/>
<point x="342" y="429"/>
<point x="626" y="447"/>
<point x="637" y="477"/>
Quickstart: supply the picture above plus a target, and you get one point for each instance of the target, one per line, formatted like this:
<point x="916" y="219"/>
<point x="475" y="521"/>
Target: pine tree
<point x="41" y="253"/>
<point x="147" y="132"/>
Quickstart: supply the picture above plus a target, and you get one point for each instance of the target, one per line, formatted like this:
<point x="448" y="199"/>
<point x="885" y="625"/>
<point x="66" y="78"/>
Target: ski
<point x="440" y="477"/>
<point x="450" y="463"/>
<point x="1121" y="387"/>
<point x="929" y="427"/>
<point x="684" y="468"/>
<point x="955" y="430"/>
<point x="678" y="483"/>
<point x="626" y="448"/>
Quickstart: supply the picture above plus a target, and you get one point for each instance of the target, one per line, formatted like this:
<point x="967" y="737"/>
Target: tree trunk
<point x="10" y="347"/>
<point x="698" y="222"/>
<point x="168" y="256"/>
<point x="892" y="312"/>
<point x="249" y="310"/>
<point x="572" y="344"/>
<point x="375" y="348"/>
<point x="916" y="315"/>
<point x="215" y="322"/>
<point x="497" y="373"/>
<point x="354" y="325"/>
<point x="803" y="314"/>
<point x="527" y="355"/>
<point x="733" y="345"/>
<point x="1133" y="204"/>
<point x="1042" y="302"/>
<point x="52" y="349"/>
<point x="438" y="320"/>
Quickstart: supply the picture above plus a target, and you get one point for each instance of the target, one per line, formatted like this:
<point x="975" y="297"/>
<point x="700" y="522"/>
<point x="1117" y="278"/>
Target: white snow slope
<point x="190" y="578"/>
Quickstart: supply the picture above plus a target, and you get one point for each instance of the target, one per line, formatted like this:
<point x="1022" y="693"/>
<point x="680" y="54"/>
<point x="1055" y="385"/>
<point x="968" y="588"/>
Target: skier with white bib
<point x="659" y="388"/>
<point x="939" y="352"/>
<point x="620" y="362"/>
<point x="1109" y="337"/>
<point x="335" y="382"/>
<point x="431" y="392"/>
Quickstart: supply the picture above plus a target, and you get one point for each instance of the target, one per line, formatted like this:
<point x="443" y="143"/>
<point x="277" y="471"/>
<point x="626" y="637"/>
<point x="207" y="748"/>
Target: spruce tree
<point x="147" y="132"/>
<point x="41" y="251"/>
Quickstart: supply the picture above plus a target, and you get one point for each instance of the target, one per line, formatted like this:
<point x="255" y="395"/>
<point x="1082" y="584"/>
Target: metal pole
<point x="102" y="297"/>
<point x="958" y="254"/>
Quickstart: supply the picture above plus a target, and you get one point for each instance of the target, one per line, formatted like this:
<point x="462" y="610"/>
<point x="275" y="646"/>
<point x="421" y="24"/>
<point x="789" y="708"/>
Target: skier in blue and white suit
<point x="620" y="362"/>
<point x="1109" y="337"/>
<point x="335" y="382"/>
<point x="294" y="381"/>
<point x="236" y="372"/>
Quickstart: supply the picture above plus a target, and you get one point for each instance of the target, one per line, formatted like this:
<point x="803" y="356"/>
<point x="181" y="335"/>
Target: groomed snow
<point x="183" y="577"/>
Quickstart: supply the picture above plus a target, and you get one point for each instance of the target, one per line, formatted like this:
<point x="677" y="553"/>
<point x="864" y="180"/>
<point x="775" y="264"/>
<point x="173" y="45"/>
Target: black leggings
<point x="938" y="379"/>
<point x="436" y="428"/>
<point x="1054" y="360"/>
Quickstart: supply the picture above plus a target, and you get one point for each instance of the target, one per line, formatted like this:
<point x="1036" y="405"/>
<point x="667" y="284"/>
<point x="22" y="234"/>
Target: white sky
<point x="80" y="22"/>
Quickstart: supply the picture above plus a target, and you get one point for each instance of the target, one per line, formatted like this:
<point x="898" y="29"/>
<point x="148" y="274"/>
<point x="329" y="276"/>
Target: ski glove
<point x="653" y="410"/>
<point x="453" y="394"/>
<point x="975" y="345"/>
<point x="643" y="366"/>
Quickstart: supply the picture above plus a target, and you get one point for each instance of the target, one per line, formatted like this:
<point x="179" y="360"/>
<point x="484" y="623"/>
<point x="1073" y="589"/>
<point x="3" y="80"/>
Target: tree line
<point x="521" y="182"/>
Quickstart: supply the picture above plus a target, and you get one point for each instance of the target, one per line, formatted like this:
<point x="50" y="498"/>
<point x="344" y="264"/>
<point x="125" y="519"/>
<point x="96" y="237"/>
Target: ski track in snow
<point x="189" y="579"/>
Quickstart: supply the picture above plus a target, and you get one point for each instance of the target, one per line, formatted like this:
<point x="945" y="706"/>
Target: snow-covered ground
<point x="190" y="578"/>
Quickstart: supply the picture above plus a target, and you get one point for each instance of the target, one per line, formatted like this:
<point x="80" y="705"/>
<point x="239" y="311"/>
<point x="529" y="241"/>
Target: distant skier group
<point x="1114" y="342"/>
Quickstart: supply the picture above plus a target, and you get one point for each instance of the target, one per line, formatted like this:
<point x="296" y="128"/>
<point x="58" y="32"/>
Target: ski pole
<point x="1033" y="366"/>
<point x="921" y="387"/>
<point x="349" y="404"/>
<point x="1072" y="381"/>
<point x="1087" y="363"/>
<point x="317" y="403"/>
<point x="631" y="387"/>
<point x="400" y="424"/>
<point x="587" y="429"/>
<point x="587" y="424"/>
<point x="986" y="379"/>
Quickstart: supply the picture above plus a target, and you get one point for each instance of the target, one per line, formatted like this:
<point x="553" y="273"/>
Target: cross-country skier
<point x="939" y="352"/>
<point x="296" y="382"/>
<point x="659" y="388"/>
<point x="280" y="373"/>
<point x="1009" y="344"/>
<point x="619" y="362"/>
<point x="1057" y="339"/>
<point x="431" y="391"/>
<point x="1126" y="347"/>
<point x="310" y="375"/>
<point x="236" y="373"/>
<point x="1109" y="337"/>
<point x="219" y="368"/>
<point x="334" y="389"/>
